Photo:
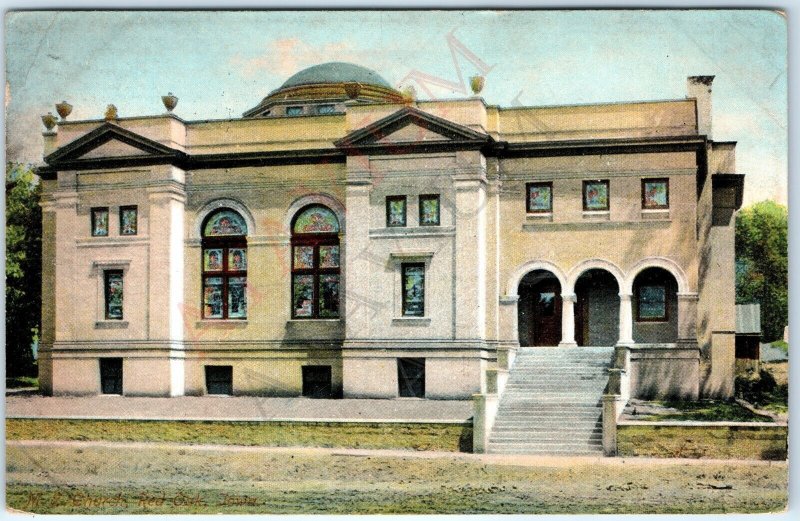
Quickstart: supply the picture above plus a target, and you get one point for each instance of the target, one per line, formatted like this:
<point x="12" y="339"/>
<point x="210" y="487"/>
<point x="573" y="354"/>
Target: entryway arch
<point x="597" y="308"/>
<point x="539" y="309"/>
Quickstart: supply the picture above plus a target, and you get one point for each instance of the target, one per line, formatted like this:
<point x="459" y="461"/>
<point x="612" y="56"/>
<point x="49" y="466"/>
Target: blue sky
<point x="222" y="63"/>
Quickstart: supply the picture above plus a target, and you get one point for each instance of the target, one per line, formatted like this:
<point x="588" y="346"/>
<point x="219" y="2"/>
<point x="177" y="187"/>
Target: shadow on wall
<point x="665" y="379"/>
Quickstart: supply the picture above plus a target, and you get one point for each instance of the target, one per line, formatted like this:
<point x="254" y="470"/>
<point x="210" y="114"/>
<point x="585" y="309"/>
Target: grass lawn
<point x="16" y="382"/>
<point x="186" y="479"/>
<point x="768" y="390"/>
<point x="431" y="436"/>
<point x="703" y="410"/>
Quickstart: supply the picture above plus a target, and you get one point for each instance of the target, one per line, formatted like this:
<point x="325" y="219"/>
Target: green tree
<point x="23" y="268"/>
<point x="762" y="264"/>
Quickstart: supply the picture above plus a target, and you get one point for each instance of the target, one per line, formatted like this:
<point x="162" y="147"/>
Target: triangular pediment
<point x="412" y="133"/>
<point x="114" y="148"/>
<point x="410" y="126"/>
<point x="111" y="142"/>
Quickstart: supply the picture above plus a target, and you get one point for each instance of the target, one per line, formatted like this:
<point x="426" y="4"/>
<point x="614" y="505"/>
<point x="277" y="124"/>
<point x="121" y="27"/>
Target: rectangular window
<point x="413" y="290"/>
<point x="411" y="377"/>
<point x="113" y="294"/>
<point x="212" y="297"/>
<point x="317" y="381"/>
<point x="595" y="196"/>
<point x="396" y="210"/>
<point x="539" y="197"/>
<point x="329" y="296"/>
<point x="111" y="375"/>
<point x="429" y="210"/>
<point x="219" y="379"/>
<point x="655" y="194"/>
<point x="128" y="220"/>
<point x="294" y="111"/>
<point x="303" y="296"/>
<point x="652" y="303"/>
<point x="237" y="297"/>
<point x="326" y="109"/>
<point x="100" y="222"/>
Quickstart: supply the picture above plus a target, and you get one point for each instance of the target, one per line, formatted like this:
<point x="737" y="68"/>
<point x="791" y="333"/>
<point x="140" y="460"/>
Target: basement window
<point x="219" y="379"/>
<point x="317" y="381"/>
<point x="411" y="377"/>
<point x="111" y="375"/>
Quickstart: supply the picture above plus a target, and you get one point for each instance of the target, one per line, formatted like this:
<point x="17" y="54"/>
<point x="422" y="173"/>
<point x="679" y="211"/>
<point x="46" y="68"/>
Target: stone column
<point x="625" y="320"/>
<point x="687" y="318"/>
<point x="568" y="320"/>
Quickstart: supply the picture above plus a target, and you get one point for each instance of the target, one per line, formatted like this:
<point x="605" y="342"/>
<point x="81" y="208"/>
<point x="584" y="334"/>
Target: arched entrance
<point x="597" y="309"/>
<point x="539" y="309"/>
<point x="655" y="307"/>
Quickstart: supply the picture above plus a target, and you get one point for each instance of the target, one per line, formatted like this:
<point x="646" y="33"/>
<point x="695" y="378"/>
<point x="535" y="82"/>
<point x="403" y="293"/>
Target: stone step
<point x="514" y="436"/>
<point x="536" y="429"/>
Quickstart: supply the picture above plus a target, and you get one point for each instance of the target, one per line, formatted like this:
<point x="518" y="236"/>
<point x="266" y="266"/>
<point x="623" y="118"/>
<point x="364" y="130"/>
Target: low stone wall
<point x="722" y="440"/>
<point x="441" y="436"/>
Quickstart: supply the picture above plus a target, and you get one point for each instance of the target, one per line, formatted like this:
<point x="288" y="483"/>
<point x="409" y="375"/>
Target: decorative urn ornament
<point x="64" y="109"/>
<point x="409" y="93"/>
<point x="476" y="84"/>
<point x="170" y="101"/>
<point x="49" y="121"/>
<point x="111" y="113"/>
<point x="352" y="90"/>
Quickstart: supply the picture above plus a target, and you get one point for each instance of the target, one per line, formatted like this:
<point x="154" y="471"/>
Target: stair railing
<point x="486" y="403"/>
<point x="616" y="397"/>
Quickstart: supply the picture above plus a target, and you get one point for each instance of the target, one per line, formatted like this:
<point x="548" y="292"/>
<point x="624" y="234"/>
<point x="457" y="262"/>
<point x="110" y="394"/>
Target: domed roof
<point x="335" y="72"/>
<point x="326" y="82"/>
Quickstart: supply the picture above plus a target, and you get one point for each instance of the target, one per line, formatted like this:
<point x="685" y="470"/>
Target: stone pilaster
<point x="167" y="207"/>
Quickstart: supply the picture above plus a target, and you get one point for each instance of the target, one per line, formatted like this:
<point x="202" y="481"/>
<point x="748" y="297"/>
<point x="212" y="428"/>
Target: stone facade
<point x="478" y="160"/>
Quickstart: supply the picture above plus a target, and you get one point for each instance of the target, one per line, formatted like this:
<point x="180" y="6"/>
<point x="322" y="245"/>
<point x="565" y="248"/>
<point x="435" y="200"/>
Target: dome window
<point x="294" y="111"/>
<point x="326" y="109"/>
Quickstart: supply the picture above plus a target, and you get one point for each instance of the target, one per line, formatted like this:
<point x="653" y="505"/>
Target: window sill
<point x="111" y="324"/>
<point x="539" y="217"/>
<point x="222" y="323"/>
<point x="419" y="321"/>
<point x="654" y="215"/>
<point x="315" y="320"/>
<point x="599" y="215"/>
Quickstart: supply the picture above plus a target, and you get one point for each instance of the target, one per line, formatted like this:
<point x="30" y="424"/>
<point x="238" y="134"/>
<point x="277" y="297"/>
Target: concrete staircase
<point x="552" y="403"/>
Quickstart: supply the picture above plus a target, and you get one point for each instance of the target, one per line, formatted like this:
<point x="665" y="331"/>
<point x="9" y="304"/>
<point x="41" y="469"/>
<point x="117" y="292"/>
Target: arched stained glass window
<point x="315" y="263"/>
<point x="316" y="219"/>
<point x="224" y="266"/>
<point x="224" y="223"/>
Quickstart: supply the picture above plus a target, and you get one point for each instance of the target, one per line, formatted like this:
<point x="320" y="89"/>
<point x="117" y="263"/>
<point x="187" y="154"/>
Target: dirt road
<point x="102" y="477"/>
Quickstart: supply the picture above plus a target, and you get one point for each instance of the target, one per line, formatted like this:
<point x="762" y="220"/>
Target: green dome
<point x="335" y="72"/>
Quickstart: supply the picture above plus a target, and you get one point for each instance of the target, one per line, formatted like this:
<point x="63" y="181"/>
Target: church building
<point x="343" y="239"/>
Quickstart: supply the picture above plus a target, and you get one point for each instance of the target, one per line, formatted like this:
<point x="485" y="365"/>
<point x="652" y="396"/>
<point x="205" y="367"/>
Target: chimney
<point x="699" y="87"/>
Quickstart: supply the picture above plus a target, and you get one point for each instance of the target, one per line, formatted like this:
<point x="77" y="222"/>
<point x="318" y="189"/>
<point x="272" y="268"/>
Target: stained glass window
<point x="128" y="220"/>
<point x="540" y="197"/>
<point x="224" y="266"/>
<point x="429" y="210"/>
<point x="224" y="223"/>
<point x="655" y="194"/>
<point x="595" y="195"/>
<point x="316" y="219"/>
<point x="315" y="264"/>
<point x="113" y="294"/>
<point x="99" y="222"/>
<point x="413" y="289"/>
<point x="396" y="210"/>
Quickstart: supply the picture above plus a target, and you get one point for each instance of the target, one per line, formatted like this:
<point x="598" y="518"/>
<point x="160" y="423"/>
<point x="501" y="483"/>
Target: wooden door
<point x="547" y="314"/>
